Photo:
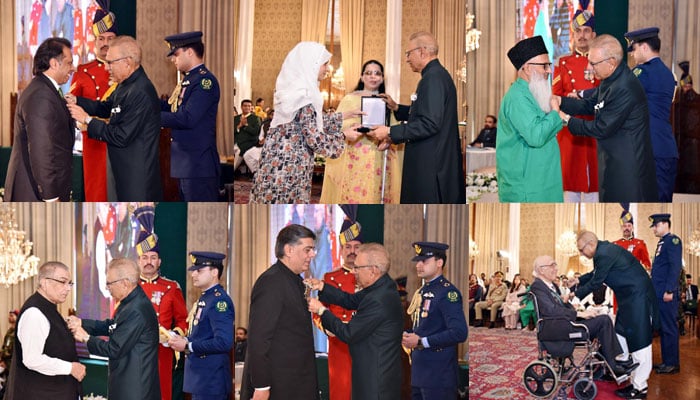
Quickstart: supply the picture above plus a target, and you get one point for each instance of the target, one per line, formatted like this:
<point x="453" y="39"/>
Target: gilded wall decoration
<point x="155" y="20"/>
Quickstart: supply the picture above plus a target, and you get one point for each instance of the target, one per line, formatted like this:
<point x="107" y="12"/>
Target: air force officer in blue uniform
<point x="659" y="86"/>
<point x="191" y="113"/>
<point x="439" y="326"/>
<point x="665" y="276"/>
<point x="210" y="338"/>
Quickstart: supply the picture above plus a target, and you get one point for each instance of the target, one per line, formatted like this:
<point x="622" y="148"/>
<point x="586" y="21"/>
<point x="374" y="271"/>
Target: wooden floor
<point x="684" y="385"/>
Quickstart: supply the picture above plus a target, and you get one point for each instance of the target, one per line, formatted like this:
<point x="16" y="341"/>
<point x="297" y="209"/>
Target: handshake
<point x="77" y="369"/>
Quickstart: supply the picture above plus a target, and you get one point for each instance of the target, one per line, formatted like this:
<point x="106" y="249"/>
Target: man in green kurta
<point x="527" y="152"/>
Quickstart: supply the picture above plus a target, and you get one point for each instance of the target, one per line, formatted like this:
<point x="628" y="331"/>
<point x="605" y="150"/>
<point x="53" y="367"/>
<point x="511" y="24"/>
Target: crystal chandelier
<point x="693" y="245"/>
<point x="16" y="261"/>
<point x="567" y="244"/>
<point x="338" y="79"/>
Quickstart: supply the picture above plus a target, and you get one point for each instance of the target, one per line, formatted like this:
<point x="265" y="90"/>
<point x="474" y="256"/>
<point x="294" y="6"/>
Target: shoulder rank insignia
<point x="221" y="306"/>
<point x="446" y="284"/>
<point x="452" y="296"/>
<point x="676" y="241"/>
<point x="202" y="71"/>
<point x="637" y="72"/>
<point x="206" y="83"/>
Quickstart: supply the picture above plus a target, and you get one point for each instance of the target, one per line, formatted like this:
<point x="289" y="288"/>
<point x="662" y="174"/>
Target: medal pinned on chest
<point x="197" y="316"/>
<point x="156" y="297"/>
<point x="426" y="304"/>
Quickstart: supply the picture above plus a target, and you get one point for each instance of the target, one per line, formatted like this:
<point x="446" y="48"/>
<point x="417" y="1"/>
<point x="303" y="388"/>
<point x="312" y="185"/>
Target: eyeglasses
<point x="110" y="62"/>
<point x="66" y="283"/>
<point x="545" y="65"/>
<point x="370" y="73"/>
<point x="363" y="266"/>
<point x="408" y="52"/>
<point x="108" y="284"/>
<point x="552" y="265"/>
<point x="593" y="64"/>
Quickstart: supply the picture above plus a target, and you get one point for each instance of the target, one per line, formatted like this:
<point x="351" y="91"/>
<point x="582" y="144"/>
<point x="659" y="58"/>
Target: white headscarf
<point x="297" y="83"/>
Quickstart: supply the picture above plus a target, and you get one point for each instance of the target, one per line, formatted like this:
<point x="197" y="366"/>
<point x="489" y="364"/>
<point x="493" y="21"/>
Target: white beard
<point x="541" y="91"/>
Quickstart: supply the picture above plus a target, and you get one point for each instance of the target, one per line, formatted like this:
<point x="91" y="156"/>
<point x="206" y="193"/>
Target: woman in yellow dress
<point x="356" y="176"/>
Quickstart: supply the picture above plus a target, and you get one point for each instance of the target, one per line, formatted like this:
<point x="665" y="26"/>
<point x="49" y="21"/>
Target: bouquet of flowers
<point x="93" y="396"/>
<point x="480" y="183"/>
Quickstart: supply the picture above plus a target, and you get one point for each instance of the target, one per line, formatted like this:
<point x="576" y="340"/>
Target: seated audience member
<point x="511" y="306"/>
<point x="563" y="285"/>
<point x="252" y="156"/>
<point x="527" y="312"/>
<point x="476" y="292"/>
<point x="487" y="136"/>
<point x="691" y="296"/>
<point x="551" y="305"/>
<point x="494" y="298"/>
<point x="241" y="344"/>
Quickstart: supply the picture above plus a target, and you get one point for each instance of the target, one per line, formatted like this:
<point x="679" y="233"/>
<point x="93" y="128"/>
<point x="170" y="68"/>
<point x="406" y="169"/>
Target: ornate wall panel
<point x="536" y="234"/>
<point x="155" y="20"/>
<point x="207" y="230"/>
<point x="659" y="13"/>
<point x="403" y="225"/>
<point x="374" y="46"/>
<point x="277" y="30"/>
<point x="416" y="17"/>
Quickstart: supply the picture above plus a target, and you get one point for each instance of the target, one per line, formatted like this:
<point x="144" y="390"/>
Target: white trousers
<point x="642" y="356"/>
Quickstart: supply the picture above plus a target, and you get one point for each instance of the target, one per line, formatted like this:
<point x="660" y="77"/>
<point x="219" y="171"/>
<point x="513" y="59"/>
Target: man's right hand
<point x="261" y="394"/>
<point x="77" y="370"/>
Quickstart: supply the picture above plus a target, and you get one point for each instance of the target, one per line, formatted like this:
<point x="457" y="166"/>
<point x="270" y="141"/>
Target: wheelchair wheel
<point x="540" y="379"/>
<point x="582" y="391"/>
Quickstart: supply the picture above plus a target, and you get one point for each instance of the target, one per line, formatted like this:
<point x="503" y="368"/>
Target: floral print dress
<point x="287" y="160"/>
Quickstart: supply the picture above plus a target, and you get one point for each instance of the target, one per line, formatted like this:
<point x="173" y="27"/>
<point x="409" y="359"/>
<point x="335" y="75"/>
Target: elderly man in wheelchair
<point x="560" y="328"/>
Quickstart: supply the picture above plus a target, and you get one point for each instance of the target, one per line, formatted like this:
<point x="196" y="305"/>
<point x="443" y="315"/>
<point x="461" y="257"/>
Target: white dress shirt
<point x="32" y="330"/>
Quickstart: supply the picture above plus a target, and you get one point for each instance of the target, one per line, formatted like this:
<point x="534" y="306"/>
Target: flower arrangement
<point x="94" y="397"/>
<point x="480" y="183"/>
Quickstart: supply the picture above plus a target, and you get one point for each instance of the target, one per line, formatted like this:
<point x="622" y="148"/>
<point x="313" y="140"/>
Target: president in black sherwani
<point x="133" y="132"/>
<point x="432" y="166"/>
<point x="41" y="162"/>
<point x="637" y="312"/>
<point x="626" y="166"/>
<point x="374" y="333"/>
<point x="280" y="358"/>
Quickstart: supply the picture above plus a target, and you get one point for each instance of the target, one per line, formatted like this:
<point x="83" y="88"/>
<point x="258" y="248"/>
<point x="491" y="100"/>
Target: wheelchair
<point x="556" y="368"/>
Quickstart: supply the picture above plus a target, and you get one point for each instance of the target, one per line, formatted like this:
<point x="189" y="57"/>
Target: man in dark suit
<point x="487" y="136"/>
<point x="374" y="333"/>
<point x="551" y="304"/>
<point x="637" y="314"/>
<point x="191" y="113"/>
<point x="432" y="167"/>
<point x="691" y="295"/>
<point x="280" y="360"/>
<point x="43" y="124"/>
<point x="133" y="132"/>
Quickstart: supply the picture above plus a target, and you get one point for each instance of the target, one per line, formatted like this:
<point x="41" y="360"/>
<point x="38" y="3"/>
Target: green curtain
<point x="371" y="217"/>
<point x="611" y="17"/>
<point x="125" y="11"/>
<point x="171" y="228"/>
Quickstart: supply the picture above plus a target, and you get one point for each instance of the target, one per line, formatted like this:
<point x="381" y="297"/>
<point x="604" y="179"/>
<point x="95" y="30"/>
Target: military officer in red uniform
<point x="91" y="81"/>
<point x="630" y="243"/>
<point x="165" y="295"/>
<point x="343" y="278"/>
<point x="579" y="162"/>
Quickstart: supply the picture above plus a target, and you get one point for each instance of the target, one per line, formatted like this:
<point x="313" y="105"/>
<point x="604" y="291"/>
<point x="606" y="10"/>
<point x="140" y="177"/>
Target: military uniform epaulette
<point x="200" y="75"/>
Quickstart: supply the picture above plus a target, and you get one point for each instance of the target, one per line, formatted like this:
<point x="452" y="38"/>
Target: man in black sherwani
<point x="626" y="166"/>
<point x="280" y="360"/>
<point x="637" y="313"/>
<point x="432" y="165"/>
<point x="374" y="333"/>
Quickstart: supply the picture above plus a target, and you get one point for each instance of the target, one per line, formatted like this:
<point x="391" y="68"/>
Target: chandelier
<point x="693" y="245"/>
<point x="567" y="244"/>
<point x="338" y="78"/>
<point x="16" y="261"/>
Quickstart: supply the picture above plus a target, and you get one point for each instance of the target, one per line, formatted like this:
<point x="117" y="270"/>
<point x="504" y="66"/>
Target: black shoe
<point x="657" y="366"/>
<point x="492" y="325"/>
<point x="478" y="323"/>
<point x="607" y="378"/>
<point x="636" y="394"/>
<point x="625" y="363"/>
<point x="620" y="370"/>
<point x="624" y="391"/>
<point x="669" y="369"/>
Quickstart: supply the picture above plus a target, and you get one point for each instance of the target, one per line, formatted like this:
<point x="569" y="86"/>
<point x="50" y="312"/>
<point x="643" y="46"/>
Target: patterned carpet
<point x="242" y="184"/>
<point x="498" y="359"/>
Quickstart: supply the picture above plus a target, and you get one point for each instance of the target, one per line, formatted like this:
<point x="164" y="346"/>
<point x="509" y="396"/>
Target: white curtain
<point x="314" y="19"/>
<point x="394" y="53"/>
<point x="352" y="23"/>
<point x="8" y="69"/>
<point x="686" y="33"/>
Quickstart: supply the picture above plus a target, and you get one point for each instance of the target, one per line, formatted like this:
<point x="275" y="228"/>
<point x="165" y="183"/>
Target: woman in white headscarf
<point x="299" y="129"/>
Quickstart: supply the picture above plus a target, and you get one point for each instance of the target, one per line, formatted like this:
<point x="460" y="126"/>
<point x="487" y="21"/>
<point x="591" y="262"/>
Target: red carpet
<point x="497" y="359"/>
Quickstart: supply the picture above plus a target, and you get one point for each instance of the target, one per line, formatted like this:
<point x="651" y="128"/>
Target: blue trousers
<point x="199" y="189"/>
<point x="210" y="397"/>
<point x="668" y="311"/>
<point x="666" y="170"/>
<point x="433" y="393"/>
